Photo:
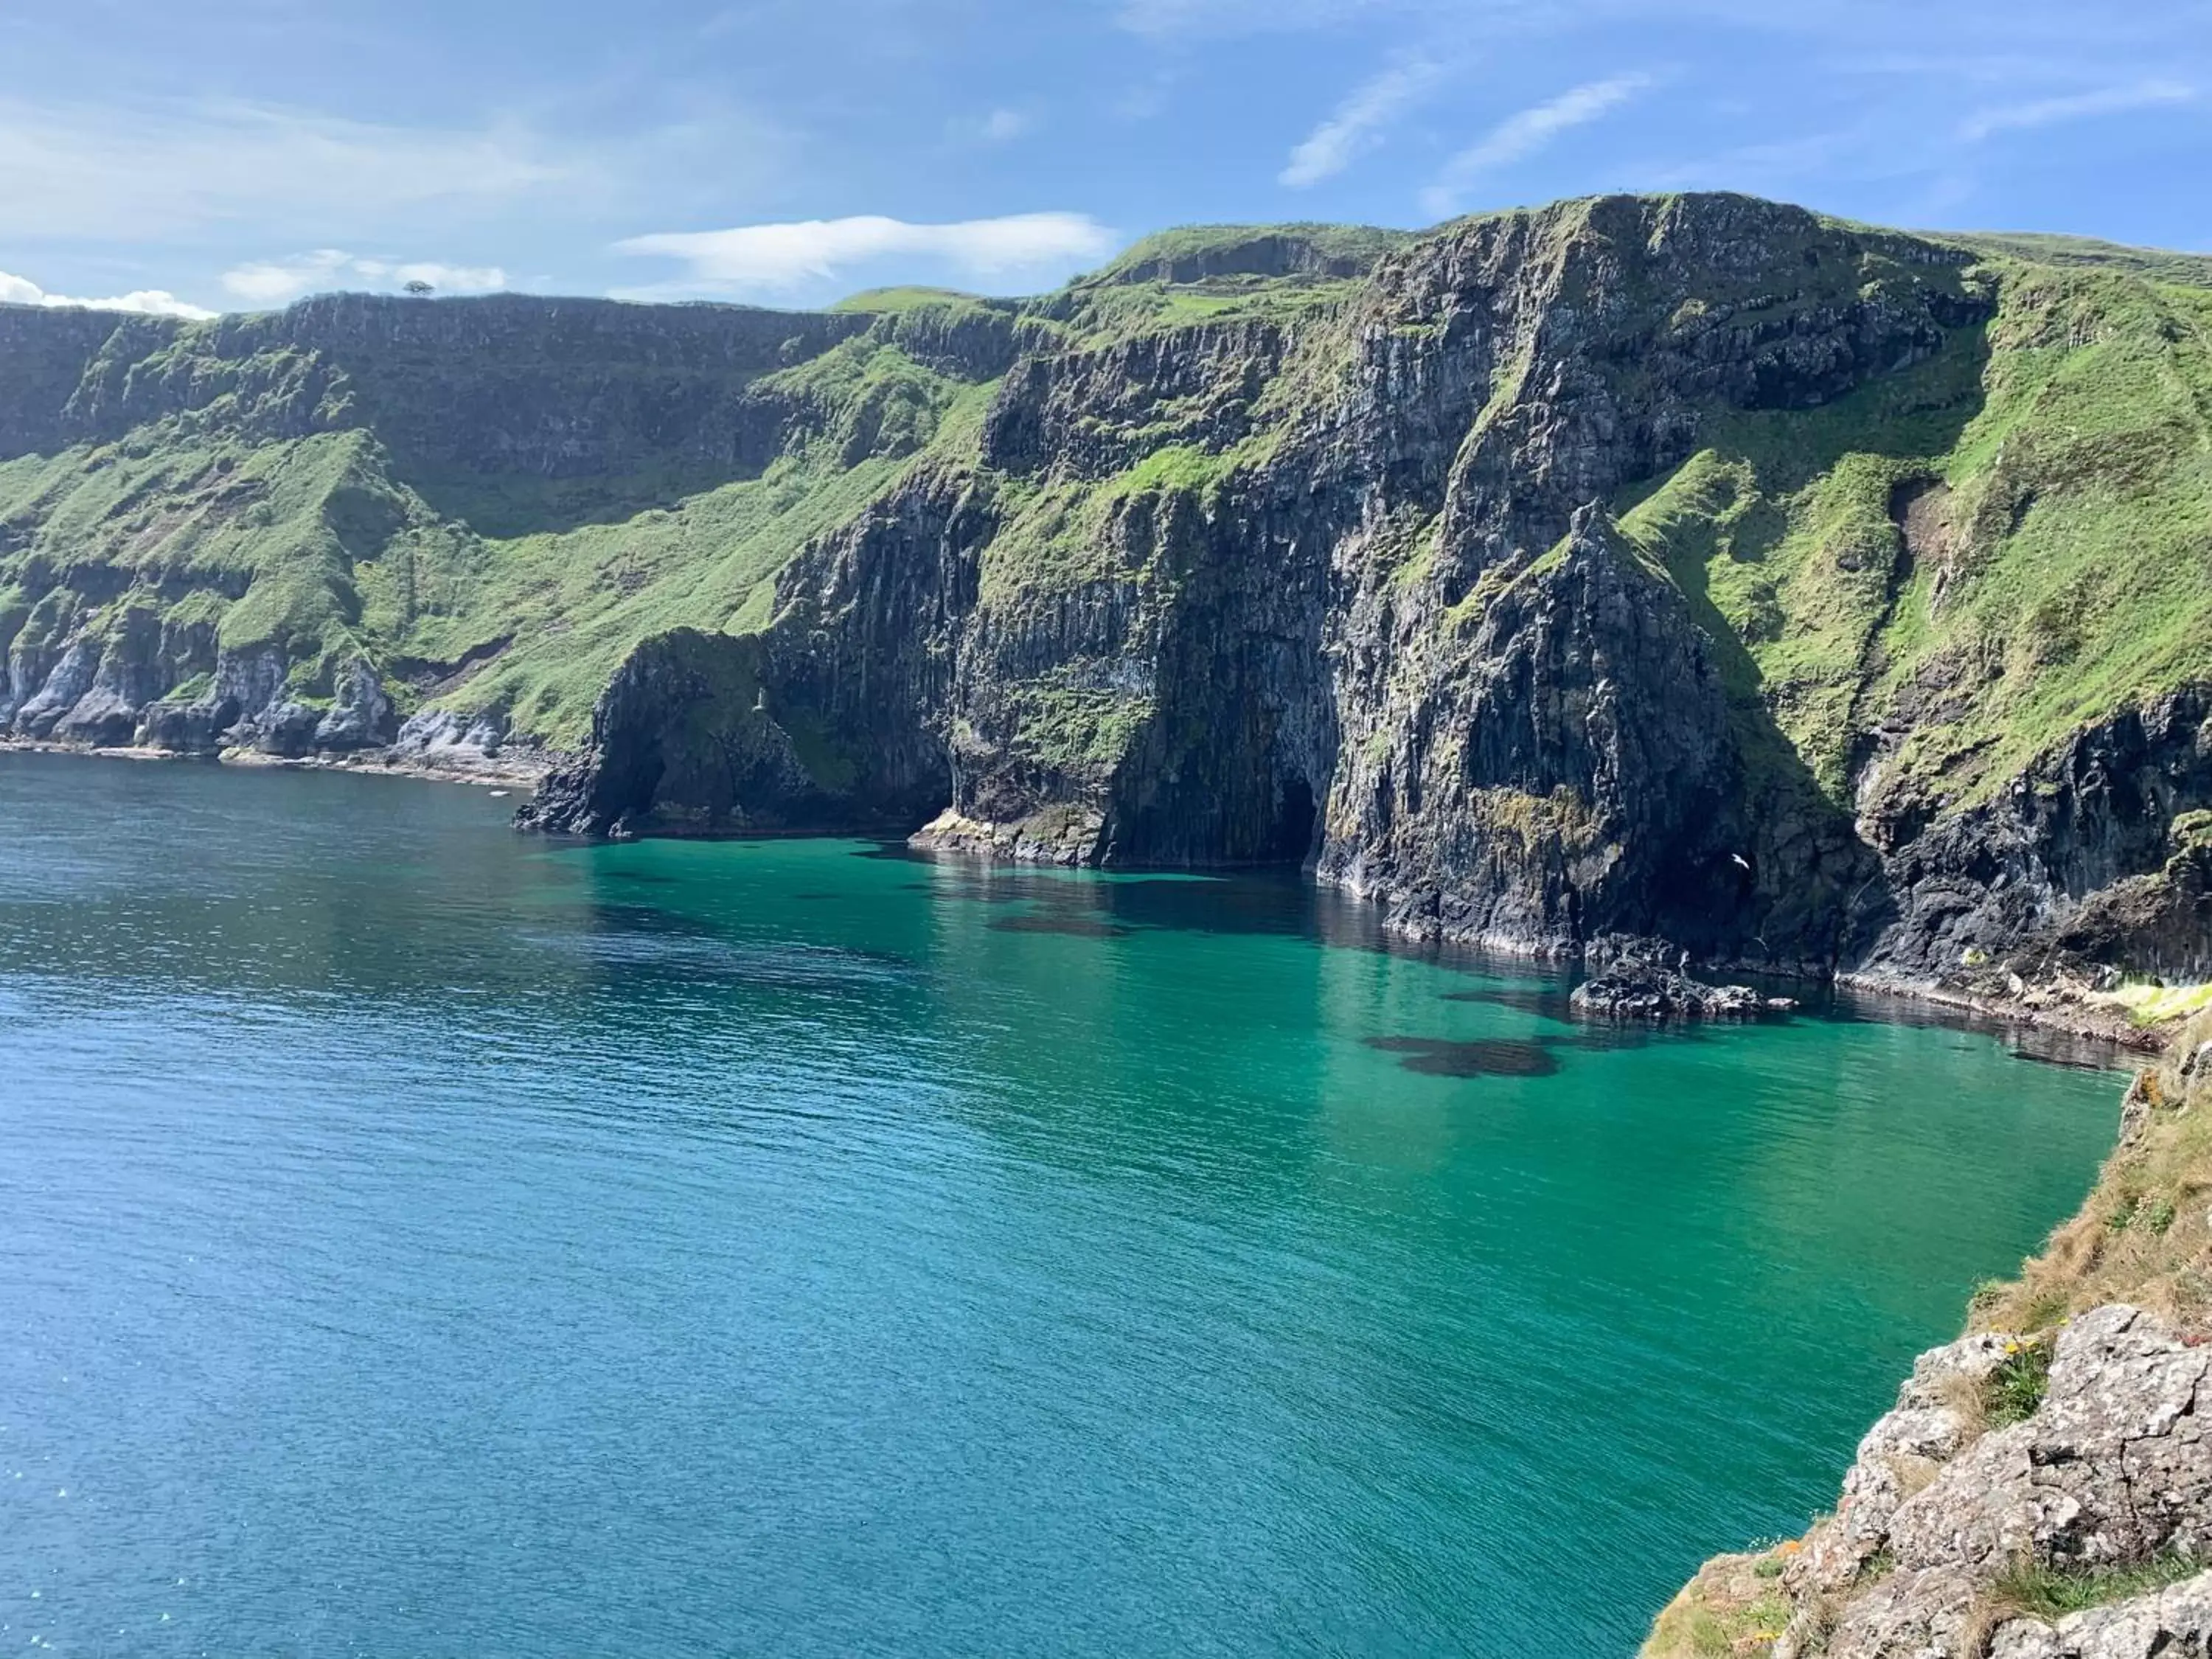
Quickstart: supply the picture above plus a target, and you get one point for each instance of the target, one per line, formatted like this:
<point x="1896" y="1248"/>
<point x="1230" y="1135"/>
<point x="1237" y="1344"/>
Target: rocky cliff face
<point x="2073" y="1533"/>
<point x="292" y="532"/>
<point x="1593" y="570"/>
<point x="1810" y="596"/>
<point x="2090" y="855"/>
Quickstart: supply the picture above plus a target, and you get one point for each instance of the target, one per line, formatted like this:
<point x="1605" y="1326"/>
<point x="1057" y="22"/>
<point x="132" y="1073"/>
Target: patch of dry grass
<point x="2144" y="1235"/>
<point x="1735" y="1608"/>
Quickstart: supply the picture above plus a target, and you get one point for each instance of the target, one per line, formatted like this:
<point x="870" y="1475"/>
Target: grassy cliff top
<point x="1198" y="253"/>
<point x="899" y="299"/>
<point x="2159" y="264"/>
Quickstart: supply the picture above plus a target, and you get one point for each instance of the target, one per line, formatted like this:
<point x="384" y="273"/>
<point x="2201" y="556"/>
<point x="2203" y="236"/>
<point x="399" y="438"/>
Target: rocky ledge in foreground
<point x="2028" y="1498"/>
<point x="2043" y="1489"/>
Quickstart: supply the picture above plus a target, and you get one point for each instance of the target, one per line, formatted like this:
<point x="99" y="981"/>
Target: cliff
<point x="1813" y="597"/>
<point x="2044" y="1488"/>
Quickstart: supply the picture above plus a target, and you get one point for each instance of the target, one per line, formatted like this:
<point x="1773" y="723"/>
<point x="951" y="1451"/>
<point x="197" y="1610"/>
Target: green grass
<point x="281" y="524"/>
<point x="2159" y="264"/>
<point x="894" y="302"/>
<point x="2047" y="1592"/>
<point x="1076" y="727"/>
<point x="2016" y="1387"/>
<point x="1224" y="250"/>
<point x="2073" y="435"/>
<point x="2157" y="1005"/>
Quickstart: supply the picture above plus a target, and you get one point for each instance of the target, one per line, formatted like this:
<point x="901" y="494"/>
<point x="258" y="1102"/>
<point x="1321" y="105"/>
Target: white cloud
<point x="1522" y="134"/>
<point x="151" y="301"/>
<point x="1359" y="121"/>
<point x="2046" y="111"/>
<point x="782" y="257"/>
<point x="277" y="282"/>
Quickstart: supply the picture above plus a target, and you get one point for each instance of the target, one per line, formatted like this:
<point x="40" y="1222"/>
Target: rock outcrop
<point x="2044" y="1492"/>
<point x="1952" y="1529"/>
<point x="1643" y="991"/>
<point x="1940" y="1525"/>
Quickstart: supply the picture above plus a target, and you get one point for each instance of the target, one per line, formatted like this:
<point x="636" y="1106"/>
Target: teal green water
<point x="420" y="1240"/>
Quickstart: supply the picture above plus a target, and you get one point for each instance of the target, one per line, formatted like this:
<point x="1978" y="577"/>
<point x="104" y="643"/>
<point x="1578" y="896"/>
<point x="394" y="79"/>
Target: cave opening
<point x="1291" y="840"/>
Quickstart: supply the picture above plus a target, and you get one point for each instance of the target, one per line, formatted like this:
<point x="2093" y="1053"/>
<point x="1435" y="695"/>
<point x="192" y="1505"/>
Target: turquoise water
<point x="420" y="1240"/>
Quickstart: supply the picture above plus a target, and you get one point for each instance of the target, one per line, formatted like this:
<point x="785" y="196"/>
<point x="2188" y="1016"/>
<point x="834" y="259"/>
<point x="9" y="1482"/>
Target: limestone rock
<point x="2175" y="1622"/>
<point x="2112" y="1468"/>
<point x="2111" y="1471"/>
<point x="361" y="714"/>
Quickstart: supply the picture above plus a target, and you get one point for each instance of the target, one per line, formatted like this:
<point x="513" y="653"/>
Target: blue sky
<point x="235" y="154"/>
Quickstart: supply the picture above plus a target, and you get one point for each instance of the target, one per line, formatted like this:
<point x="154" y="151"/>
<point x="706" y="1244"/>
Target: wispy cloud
<point x="1162" y="18"/>
<point x="779" y="258"/>
<point x="1001" y="125"/>
<point x="143" y="172"/>
<point x="151" y="301"/>
<point x="2077" y="106"/>
<point x="277" y="282"/>
<point x="1522" y="134"/>
<point x="1359" y="122"/>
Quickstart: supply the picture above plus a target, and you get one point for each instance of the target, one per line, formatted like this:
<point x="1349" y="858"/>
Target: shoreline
<point x="524" y="771"/>
<point x="2014" y="1454"/>
<point x="2057" y="1009"/>
<point x="2062" y="1015"/>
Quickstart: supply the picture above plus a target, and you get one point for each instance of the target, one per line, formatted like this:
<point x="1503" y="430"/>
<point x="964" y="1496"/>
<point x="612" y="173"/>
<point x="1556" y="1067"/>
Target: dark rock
<point x="1633" y="991"/>
<point x="287" y="728"/>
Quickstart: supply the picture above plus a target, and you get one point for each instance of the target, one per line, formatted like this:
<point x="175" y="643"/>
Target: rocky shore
<point x="1631" y="981"/>
<point x="509" y="768"/>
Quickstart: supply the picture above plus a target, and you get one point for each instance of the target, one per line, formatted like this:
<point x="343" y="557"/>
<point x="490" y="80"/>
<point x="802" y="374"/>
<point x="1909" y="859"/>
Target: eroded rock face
<point x="2075" y="860"/>
<point x="112" y="693"/>
<point x="1376" y="618"/>
<point x="2110" y="1470"/>
<point x="2175" y="1622"/>
<point x="361" y="714"/>
<point x="1571" y="769"/>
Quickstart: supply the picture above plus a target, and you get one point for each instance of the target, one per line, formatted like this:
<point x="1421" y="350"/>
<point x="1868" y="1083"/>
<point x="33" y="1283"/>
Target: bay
<point x="423" y="1240"/>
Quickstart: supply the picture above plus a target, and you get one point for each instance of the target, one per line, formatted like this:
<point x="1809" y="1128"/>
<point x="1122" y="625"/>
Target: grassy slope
<point x="2069" y="571"/>
<point x="574" y="603"/>
<point x="2075" y="573"/>
<point x="264" y="539"/>
<point x="312" y="545"/>
<point x="2159" y="264"/>
<point x="2140" y="1237"/>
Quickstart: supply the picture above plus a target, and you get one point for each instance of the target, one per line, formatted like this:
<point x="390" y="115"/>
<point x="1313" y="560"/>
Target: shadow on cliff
<point x="507" y="506"/>
<point x="1813" y="888"/>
